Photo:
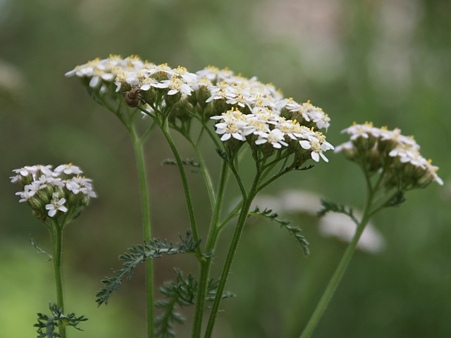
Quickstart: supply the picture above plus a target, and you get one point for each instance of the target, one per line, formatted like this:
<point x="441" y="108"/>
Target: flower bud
<point x="219" y="107"/>
<point x="172" y="99"/>
<point x="202" y="94"/>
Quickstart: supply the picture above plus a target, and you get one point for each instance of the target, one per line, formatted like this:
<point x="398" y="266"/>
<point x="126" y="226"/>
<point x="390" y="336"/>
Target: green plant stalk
<point x="147" y="227"/>
<point x="207" y="178"/>
<point x="205" y="263"/>
<point x="186" y="189"/>
<point x="340" y="270"/>
<point x="56" y="234"/>
<point x="231" y="254"/>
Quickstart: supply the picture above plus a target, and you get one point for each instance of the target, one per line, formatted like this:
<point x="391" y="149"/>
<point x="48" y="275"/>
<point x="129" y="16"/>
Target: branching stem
<point x="205" y="264"/>
<point x="247" y="201"/>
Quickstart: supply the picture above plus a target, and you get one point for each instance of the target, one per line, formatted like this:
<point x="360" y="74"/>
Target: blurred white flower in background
<point x="12" y="82"/>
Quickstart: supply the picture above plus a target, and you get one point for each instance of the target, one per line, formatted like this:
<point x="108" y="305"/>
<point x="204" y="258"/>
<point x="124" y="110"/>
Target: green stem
<point x="230" y="255"/>
<point x="147" y="225"/>
<point x="206" y="174"/>
<point x="186" y="189"/>
<point x="340" y="270"/>
<point x="205" y="264"/>
<point x="56" y="234"/>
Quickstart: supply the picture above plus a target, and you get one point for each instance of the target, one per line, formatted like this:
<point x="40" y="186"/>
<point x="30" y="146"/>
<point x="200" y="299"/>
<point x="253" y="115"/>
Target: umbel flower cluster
<point x="245" y="110"/>
<point x="58" y="194"/>
<point x="390" y="153"/>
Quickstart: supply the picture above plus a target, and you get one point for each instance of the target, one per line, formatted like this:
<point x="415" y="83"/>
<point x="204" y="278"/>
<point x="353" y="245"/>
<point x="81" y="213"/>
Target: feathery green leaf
<point x="294" y="231"/>
<point x="338" y="208"/>
<point x="137" y="254"/>
<point x="47" y="325"/>
<point x="178" y="294"/>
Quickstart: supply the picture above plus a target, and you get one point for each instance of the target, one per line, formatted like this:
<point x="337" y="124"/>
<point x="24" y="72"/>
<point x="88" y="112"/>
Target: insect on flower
<point x="132" y="97"/>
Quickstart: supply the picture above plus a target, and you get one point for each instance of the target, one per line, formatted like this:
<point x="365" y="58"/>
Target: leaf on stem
<point x="188" y="162"/>
<point x="396" y="199"/>
<point x="294" y="231"/>
<point x="47" y="325"/>
<point x="338" y="208"/>
<point x="180" y="293"/>
<point x="137" y="254"/>
<point x="39" y="250"/>
<point x="222" y="154"/>
<point x="305" y="168"/>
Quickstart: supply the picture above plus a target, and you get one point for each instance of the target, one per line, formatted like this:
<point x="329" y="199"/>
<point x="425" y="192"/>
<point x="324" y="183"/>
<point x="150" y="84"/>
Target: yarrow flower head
<point x="137" y="80"/>
<point x="245" y="109"/>
<point x="390" y="153"/>
<point x="256" y="113"/>
<point x="53" y="193"/>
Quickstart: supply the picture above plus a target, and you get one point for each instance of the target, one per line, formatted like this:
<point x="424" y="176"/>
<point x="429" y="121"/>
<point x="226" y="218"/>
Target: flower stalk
<point x="338" y="274"/>
<point x="56" y="197"/>
<point x="147" y="228"/>
<point x="56" y="234"/>
<point x="390" y="162"/>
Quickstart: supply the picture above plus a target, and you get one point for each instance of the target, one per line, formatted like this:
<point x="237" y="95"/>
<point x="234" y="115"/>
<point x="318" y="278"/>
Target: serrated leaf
<point x="222" y="154"/>
<point x="138" y="254"/>
<point x="294" y="231"/>
<point x="329" y="206"/>
<point x="396" y="199"/>
<point x="46" y="325"/>
<point x="187" y="161"/>
<point x="178" y="294"/>
<point x="39" y="250"/>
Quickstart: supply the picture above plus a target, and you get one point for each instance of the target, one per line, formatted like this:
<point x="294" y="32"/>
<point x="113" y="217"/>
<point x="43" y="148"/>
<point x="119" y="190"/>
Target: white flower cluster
<point x="261" y="111"/>
<point x="246" y="109"/>
<point x="49" y="192"/>
<point x="132" y="72"/>
<point x="391" y="151"/>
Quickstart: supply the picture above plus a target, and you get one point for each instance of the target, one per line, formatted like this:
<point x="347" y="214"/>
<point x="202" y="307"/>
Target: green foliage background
<point x="381" y="61"/>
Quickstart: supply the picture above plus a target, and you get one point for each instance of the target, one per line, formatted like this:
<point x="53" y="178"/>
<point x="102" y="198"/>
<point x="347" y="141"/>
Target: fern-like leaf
<point x="188" y="162"/>
<point x="137" y="254"/>
<point x="181" y="293"/>
<point x="338" y="208"/>
<point x="47" y="324"/>
<point x="222" y="154"/>
<point x="178" y="294"/>
<point x="396" y="199"/>
<point x="39" y="250"/>
<point x="294" y="231"/>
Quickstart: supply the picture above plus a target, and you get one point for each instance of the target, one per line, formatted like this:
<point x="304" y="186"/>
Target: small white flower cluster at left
<point x="51" y="192"/>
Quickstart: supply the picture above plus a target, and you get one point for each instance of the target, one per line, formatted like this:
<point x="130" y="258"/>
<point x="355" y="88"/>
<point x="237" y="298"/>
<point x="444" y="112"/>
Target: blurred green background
<point x="381" y="61"/>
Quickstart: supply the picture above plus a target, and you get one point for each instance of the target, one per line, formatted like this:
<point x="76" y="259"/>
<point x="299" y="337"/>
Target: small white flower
<point x="81" y="184"/>
<point x="15" y="178"/>
<point x="361" y="130"/>
<point x="276" y="137"/>
<point x="233" y="125"/>
<point x="29" y="191"/>
<point x="57" y="204"/>
<point x="68" y="169"/>
<point x="317" y="145"/>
